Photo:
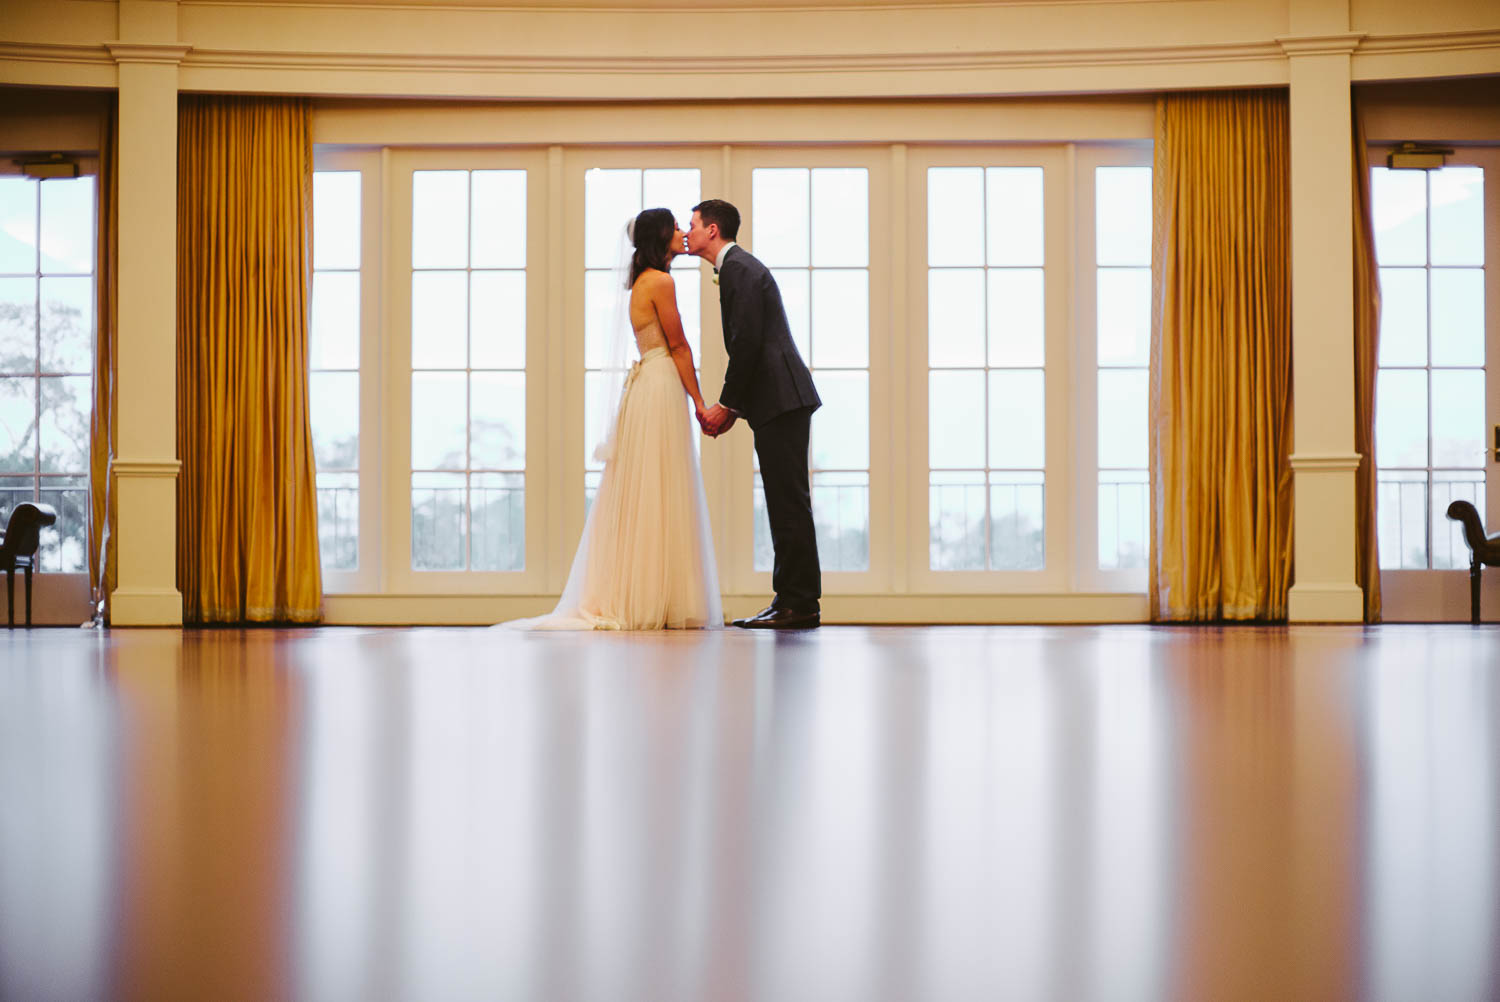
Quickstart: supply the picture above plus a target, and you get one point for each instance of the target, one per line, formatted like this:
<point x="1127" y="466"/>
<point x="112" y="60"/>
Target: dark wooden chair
<point x="18" y="546"/>
<point x="1482" y="549"/>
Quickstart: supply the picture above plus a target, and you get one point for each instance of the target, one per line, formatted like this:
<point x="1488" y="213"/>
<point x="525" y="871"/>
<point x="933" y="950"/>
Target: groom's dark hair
<point x="717" y="211"/>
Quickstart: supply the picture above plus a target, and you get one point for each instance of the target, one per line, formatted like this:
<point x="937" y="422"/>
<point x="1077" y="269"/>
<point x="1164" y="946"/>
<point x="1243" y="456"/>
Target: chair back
<point x="1463" y="511"/>
<point x="23" y="531"/>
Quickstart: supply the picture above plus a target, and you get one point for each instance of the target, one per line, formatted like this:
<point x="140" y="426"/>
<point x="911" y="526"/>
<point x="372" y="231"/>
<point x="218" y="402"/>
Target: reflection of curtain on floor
<point x="1221" y="410"/>
<point x="247" y="502"/>
<point x="102" y="422"/>
<point x="1366" y="359"/>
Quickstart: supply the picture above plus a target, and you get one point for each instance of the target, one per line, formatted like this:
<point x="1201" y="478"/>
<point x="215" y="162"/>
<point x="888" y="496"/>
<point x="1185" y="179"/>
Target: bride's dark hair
<point x="651" y="232"/>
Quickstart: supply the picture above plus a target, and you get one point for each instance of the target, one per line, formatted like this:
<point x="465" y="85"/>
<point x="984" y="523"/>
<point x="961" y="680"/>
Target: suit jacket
<point x="766" y="376"/>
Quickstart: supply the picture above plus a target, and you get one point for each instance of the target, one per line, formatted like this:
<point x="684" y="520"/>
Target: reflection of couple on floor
<point x="646" y="559"/>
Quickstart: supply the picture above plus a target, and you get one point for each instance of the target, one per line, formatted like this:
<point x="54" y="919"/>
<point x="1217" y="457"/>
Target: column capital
<point x="1321" y="45"/>
<point x="1325" y="462"/>
<point x="167" y="53"/>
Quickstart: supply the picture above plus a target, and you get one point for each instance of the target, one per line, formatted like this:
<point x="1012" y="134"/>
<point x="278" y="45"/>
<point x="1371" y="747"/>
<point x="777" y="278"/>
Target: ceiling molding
<point x="49" y="52"/>
<point x="1320" y="45"/>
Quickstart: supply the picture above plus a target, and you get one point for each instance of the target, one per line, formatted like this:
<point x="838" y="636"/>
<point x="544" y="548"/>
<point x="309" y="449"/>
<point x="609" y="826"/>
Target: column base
<point x="145" y="607"/>
<point x="1326" y="603"/>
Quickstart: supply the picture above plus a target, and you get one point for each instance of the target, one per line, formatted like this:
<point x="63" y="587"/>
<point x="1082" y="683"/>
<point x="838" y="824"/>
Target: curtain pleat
<point x="1366" y="359"/>
<point x="102" y="422"/>
<point x="1221" y="364"/>
<point x="247" y="495"/>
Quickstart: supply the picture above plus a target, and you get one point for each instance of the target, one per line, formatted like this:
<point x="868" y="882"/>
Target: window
<point x="1122" y="275"/>
<point x="1430" y="386"/>
<point x="334" y="350"/>
<point x="986" y="357"/>
<point x="468" y="370"/>
<point x="612" y="198"/>
<point x="811" y="228"/>
<point x="46" y="357"/>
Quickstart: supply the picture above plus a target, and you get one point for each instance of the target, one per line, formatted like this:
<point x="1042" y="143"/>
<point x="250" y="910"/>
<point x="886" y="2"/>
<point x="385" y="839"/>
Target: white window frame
<point x="399" y="576"/>
<point x="1060" y="546"/>
<point x="368" y="575"/>
<point x="1088" y="576"/>
<point x="737" y="561"/>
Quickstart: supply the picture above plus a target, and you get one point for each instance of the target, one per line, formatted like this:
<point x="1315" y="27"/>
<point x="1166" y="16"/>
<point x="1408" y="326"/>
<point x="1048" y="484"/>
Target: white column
<point x="146" y="468"/>
<point x="1323" y="457"/>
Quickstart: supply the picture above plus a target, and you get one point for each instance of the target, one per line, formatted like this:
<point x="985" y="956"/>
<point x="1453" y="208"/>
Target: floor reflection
<point x="862" y="814"/>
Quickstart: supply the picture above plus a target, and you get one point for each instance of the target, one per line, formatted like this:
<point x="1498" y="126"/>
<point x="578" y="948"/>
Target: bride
<point x="646" y="560"/>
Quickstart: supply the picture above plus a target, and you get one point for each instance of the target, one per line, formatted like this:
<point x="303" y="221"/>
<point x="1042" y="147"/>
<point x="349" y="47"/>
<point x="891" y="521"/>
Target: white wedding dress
<point x="646" y="559"/>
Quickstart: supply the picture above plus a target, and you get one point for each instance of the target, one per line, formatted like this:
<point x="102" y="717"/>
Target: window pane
<point x="596" y="386"/>
<point x="336" y="219"/>
<point x="17" y="424"/>
<point x="1458" y="417"/>
<point x="498" y="505"/>
<point x="1401" y="417"/>
<point x="14" y="490"/>
<point x="599" y="300"/>
<point x="841" y="513"/>
<point x="439" y="319"/>
<point x="1457" y="316"/>
<point x="690" y="310"/>
<point x="1017" y="332"/>
<point x="439" y="407"/>
<point x="18" y="207"/>
<point x="781" y="223"/>
<point x="1399" y="201"/>
<point x="765" y="553"/>
<point x="955" y="420"/>
<point x="68" y="226"/>
<point x="498" y="223"/>
<point x="1017" y="419"/>
<point x="497" y="408"/>
<point x="1124" y="311"/>
<point x="795" y="285"/>
<point x="1013" y="206"/>
<point x="437" y="521"/>
<point x="1017" y="522"/>
<point x="611" y="198"/>
<point x="676" y="189"/>
<point x="335" y="320"/>
<point x="956" y="513"/>
<point x="1449" y="551"/>
<point x="338" y="520"/>
<point x="64" y="545"/>
<point x="1123" y="527"/>
<point x="18" y="298"/>
<point x="66" y="406"/>
<point x="955" y="232"/>
<point x="1123" y="425"/>
<point x="334" y="400"/>
<point x="1458" y="215"/>
<point x="1403" y="316"/>
<point x="497" y="320"/>
<point x="1401" y="514"/>
<point x="1122" y="216"/>
<point x="840" y="217"/>
<point x="439" y="219"/>
<point x="955" y="317"/>
<point x="841" y="427"/>
<point x="841" y="318"/>
<point x="67" y="324"/>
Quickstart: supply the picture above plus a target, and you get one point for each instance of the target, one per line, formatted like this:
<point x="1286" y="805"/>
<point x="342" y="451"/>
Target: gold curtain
<point x="1366" y="351"/>
<point x="102" y="423"/>
<point x="1221" y="359"/>
<point x="247" y="502"/>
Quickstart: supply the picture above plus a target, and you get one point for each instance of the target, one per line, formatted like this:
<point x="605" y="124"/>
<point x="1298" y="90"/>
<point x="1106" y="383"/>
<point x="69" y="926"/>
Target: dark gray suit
<point x="768" y="384"/>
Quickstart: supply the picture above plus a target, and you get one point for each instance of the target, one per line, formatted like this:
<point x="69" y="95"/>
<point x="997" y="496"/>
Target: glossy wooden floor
<point x="853" y="814"/>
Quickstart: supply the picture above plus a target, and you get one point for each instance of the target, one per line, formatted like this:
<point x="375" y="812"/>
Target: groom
<point x="769" y="386"/>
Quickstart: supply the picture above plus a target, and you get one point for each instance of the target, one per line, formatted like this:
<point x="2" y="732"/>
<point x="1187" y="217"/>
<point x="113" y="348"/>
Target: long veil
<point x="613" y="329"/>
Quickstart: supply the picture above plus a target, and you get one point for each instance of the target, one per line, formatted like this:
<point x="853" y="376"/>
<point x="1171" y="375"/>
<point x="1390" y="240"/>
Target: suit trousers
<point x="781" y="445"/>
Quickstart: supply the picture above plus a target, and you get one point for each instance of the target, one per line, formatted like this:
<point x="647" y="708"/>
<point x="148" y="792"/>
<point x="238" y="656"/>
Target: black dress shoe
<point x="768" y="610"/>
<point x="782" y="619"/>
